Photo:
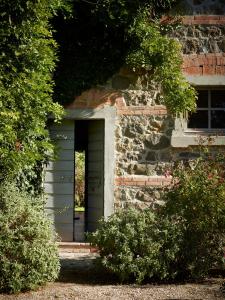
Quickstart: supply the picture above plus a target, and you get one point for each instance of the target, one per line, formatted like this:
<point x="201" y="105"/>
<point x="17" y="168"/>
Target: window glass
<point x="217" y="119"/>
<point x="202" y="101"/>
<point x="210" y="112"/>
<point x="198" y="119"/>
<point x="218" y="99"/>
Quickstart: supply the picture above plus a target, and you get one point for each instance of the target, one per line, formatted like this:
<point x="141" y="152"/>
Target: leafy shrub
<point x="198" y="197"/>
<point x="183" y="239"/>
<point x="27" y="61"/>
<point x="138" y="245"/>
<point x="28" y="252"/>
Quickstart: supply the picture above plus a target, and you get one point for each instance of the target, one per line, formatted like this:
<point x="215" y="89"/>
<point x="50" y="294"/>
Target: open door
<point x="89" y="140"/>
<point x="59" y="181"/>
<point x="95" y="174"/>
<point x="72" y="136"/>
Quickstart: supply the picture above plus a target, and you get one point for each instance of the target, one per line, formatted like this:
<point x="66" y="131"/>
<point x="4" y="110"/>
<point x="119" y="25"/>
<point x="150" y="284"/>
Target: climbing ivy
<point x="27" y="60"/>
<point x="161" y="59"/>
<point x="102" y="36"/>
<point x="107" y="34"/>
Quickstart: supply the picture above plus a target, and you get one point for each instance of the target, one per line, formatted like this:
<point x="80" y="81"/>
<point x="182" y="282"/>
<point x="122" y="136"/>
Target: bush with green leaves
<point x="28" y="250"/>
<point x="137" y="245"/>
<point x="198" y="197"/>
<point x="185" y="238"/>
<point x="27" y="61"/>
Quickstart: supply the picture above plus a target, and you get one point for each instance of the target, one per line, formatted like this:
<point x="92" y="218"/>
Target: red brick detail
<point x="209" y="70"/>
<point x="204" y="64"/>
<point x="142" y="110"/>
<point x="143" y="181"/>
<point x="97" y="98"/>
<point x="204" y="19"/>
<point x="194" y="20"/>
<point x="220" y="70"/>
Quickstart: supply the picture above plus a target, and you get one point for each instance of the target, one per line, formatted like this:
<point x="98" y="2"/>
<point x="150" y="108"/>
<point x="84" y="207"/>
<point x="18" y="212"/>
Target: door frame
<point x="108" y="114"/>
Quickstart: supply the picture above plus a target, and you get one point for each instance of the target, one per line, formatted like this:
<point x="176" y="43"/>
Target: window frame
<point x="183" y="136"/>
<point x="209" y="108"/>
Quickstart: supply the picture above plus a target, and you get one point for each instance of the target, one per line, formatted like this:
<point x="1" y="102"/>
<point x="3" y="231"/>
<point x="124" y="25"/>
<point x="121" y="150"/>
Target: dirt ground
<point x="79" y="279"/>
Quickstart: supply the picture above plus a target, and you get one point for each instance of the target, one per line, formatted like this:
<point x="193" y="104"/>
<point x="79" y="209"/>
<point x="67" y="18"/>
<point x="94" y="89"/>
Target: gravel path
<point x="80" y="280"/>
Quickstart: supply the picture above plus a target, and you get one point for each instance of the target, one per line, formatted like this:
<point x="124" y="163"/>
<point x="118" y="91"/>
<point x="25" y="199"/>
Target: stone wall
<point x="196" y="39"/>
<point x="144" y="128"/>
<point x="142" y="144"/>
<point x="142" y="153"/>
<point x="203" y="44"/>
<point x="143" y="125"/>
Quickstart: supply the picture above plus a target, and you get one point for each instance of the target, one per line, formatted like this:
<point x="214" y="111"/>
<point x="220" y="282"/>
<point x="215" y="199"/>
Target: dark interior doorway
<point x="89" y="165"/>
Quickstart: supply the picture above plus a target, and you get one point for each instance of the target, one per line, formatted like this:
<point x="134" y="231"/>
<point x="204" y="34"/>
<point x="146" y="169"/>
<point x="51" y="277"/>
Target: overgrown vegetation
<point x="27" y="60"/>
<point x="28" y="252"/>
<point x="107" y="34"/>
<point x="198" y="197"/>
<point x="183" y="239"/>
<point x="101" y="37"/>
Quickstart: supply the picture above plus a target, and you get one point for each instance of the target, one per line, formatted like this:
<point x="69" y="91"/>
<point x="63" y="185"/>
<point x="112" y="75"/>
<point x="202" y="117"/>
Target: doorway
<point x="93" y="132"/>
<point x="89" y="176"/>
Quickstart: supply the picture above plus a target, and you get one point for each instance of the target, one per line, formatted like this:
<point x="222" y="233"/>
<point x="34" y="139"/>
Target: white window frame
<point x="183" y="137"/>
<point x="209" y="108"/>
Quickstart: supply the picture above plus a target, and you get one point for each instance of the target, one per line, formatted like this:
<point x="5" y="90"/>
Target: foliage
<point x="79" y="178"/>
<point x="184" y="238"/>
<point x="138" y="245"/>
<point x="27" y="61"/>
<point x="107" y="34"/>
<point x="198" y="197"/>
<point x="28" y="252"/>
<point x="161" y="57"/>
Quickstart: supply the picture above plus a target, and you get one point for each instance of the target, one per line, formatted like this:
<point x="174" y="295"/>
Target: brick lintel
<point x="204" y="64"/>
<point x="204" y="20"/>
<point x="143" y="181"/>
<point x="142" y="110"/>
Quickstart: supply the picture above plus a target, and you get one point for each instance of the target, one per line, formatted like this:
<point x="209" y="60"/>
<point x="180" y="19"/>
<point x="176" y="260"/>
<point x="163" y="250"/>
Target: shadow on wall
<point x="213" y="7"/>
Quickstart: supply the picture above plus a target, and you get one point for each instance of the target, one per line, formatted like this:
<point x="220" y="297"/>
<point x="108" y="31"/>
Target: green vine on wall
<point x="105" y="35"/>
<point x="102" y="36"/>
<point x="161" y="57"/>
<point x="27" y="60"/>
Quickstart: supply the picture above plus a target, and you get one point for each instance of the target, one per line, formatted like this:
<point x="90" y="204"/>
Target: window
<point x="208" y="120"/>
<point x="210" y="112"/>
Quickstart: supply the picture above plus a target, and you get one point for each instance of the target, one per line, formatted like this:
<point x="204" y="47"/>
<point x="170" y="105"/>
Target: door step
<point x="73" y="247"/>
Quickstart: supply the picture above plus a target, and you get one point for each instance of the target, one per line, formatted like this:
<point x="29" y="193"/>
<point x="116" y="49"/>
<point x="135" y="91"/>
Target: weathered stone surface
<point x="149" y="97"/>
<point x="188" y="155"/>
<point x="141" y="198"/>
<point x="201" y="38"/>
<point x="165" y="156"/>
<point x="151" y="156"/>
<point x="140" y="169"/>
<point x="143" y="145"/>
<point x="157" y="142"/>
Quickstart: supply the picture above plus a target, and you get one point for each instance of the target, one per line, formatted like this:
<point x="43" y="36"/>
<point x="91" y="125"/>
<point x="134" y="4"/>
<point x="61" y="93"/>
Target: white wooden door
<point x="59" y="181"/>
<point x="95" y="174"/>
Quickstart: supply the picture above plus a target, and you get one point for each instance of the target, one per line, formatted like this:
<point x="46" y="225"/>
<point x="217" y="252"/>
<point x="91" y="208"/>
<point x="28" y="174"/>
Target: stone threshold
<point x="76" y="247"/>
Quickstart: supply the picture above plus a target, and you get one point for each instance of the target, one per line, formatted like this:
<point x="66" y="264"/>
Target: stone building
<point x="129" y="137"/>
